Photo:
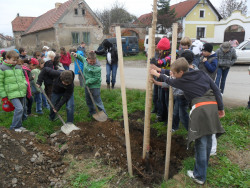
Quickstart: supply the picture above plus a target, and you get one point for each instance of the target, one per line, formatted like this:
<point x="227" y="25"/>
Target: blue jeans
<point x="18" y="103"/>
<point x="96" y="93"/>
<point x="180" y="112"/>
<point x="196" y="60"/>
<point x="55" y="99"/>
<point x="221" y="78"/>
<point x="202" y="148"/>
<point x="45" y="102"/>
<point x="110" y="68"/>
<point x="38" y="100"/>
<point x="66" y="67"/>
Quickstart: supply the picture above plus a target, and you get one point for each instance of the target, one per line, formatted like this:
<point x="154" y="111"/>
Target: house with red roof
<point x="67" y="25"/>
<point x="197" y="18"/>
<point x="19" y="26"/>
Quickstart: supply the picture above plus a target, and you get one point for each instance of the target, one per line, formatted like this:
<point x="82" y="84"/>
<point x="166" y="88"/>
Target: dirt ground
<point x="25" y="162"/>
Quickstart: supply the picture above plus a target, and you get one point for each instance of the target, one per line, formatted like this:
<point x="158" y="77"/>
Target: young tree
<point x="166" y="17"/>
<point x="117" y="14"/>
<point x="228" y="6"/>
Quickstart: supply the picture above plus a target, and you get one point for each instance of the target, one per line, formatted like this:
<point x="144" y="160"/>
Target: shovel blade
<point x="68" y="128"/>
<point x="100" y="116"/>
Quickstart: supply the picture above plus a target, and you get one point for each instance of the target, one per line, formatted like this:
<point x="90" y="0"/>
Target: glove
<point x="5" y="100"/>
<point x="153" y="61"/>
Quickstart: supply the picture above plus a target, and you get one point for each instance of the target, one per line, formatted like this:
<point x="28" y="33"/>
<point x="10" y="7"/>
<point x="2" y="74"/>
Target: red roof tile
<point x="21" y="23"/>
<point x="48" y="19"/>
<point x="181" y="10"/>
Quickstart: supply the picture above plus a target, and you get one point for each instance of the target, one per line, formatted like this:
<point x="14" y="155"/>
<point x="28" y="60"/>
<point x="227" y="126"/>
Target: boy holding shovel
<point x="92" y="76"/>
<point x="62" y="92"/>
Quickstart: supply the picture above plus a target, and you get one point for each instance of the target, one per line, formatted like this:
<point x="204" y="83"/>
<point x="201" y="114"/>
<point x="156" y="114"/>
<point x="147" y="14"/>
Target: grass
<point x="223" y="171"/>
<point x="140" y="56"/>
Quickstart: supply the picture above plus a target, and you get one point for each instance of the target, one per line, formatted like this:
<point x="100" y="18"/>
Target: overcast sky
<point x="34" y="8"/>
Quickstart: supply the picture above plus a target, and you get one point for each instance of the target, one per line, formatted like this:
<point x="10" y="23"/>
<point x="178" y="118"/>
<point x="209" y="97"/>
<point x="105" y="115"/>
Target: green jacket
<point x="36" y="72"/>
<point x="91" y="73"/>
<point x="12" y="81"/>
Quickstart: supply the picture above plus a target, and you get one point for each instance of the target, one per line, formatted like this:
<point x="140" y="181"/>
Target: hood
<point x="213" y="54"/>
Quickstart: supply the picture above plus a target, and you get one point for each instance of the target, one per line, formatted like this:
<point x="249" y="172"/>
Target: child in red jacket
<point x="65" y="58"/>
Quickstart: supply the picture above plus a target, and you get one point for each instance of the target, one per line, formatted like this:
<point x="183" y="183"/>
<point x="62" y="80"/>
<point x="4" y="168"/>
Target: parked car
<point x="130" y="45"/>
<point x="243" y="52"/>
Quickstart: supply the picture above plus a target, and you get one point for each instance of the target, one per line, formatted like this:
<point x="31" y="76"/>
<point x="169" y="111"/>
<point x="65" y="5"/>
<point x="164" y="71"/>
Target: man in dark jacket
<point x="112" y="61"/>
<point x="63" y="89"/>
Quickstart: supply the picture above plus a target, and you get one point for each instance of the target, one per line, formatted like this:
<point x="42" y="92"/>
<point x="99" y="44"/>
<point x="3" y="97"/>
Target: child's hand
<point x="152" y="66"/>
<point x="221" y="113"/>
<point x="37" y="85"/>
<point x="54" y="110"/>
<point x="74" y="54"/>
<point x="155" y="73"/>
<point x="204" y="59"/>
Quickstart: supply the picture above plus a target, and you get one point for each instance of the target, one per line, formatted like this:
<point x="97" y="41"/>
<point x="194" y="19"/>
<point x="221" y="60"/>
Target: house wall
<point x="35" y="41"/>
<point x="78" y="23"/>
<point x="193" y="20"/>
<point x="235" y="19"/>
<point x="17" y="36"/>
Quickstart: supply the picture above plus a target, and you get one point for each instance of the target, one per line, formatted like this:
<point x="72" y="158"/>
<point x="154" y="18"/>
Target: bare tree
<point x="228" y="6"/>
<point x="117" y="14"/>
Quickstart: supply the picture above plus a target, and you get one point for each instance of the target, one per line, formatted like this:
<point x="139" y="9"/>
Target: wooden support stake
<point x="171" y="102"/>
<point x="149" y="89"/>
<point x="124" y="98"/>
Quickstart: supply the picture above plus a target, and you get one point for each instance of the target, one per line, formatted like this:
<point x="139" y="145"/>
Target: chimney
<point x="17" y="15"/>
<point x="57" y="5"/>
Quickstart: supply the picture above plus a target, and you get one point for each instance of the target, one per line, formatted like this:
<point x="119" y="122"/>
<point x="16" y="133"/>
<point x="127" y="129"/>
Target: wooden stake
<point x="124" y="98"/>
<point x="149" y="89"/>
<point x="171" y="102"/>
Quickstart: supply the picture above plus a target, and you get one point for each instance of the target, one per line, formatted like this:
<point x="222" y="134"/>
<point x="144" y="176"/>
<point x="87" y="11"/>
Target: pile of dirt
<point x="25" y="162"/>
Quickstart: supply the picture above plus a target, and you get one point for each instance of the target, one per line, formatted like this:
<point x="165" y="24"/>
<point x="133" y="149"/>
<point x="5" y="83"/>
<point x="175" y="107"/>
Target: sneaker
<point x="22" y="128"/>
<point x="40" y="112"/>
<point x="190" y="174"/>
<point x="213" y="154"/>
<point x="173" y="130"/>
<point x="18" y="130"/>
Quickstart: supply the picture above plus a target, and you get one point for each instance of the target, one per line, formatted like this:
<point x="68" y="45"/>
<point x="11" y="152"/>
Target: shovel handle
<point x="90" y="94"/>
<point x="52" y="106"/>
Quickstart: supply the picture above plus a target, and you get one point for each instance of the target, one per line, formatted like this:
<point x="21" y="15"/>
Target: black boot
<point x="113" y="86"/>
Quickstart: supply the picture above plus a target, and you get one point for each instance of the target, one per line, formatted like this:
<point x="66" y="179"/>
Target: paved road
<point x="236" y="92"/>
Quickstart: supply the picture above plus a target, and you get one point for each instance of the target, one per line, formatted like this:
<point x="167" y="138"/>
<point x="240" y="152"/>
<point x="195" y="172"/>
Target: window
<point x="247" y="47"/>
<point x="83" y="12"/>
<point x="202" y="13"/>
<point x="86" y="37"/>
<point x="75" y="38"/>
<point x="200" y="32"/>
<point x="76" y="11"/>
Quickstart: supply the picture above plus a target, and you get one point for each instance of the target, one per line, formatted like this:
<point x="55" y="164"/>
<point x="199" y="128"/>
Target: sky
<point x="34" y="8"/>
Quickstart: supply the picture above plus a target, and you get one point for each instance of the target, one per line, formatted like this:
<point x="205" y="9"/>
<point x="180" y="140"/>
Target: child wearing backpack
<point x="207" y="108"/>
<point x="13" y="87"/>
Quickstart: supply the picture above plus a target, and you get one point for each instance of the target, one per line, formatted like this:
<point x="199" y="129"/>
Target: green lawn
<point x="223" y="170"/>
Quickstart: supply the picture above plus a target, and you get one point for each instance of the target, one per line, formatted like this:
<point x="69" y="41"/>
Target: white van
<point x="146" y="40"/>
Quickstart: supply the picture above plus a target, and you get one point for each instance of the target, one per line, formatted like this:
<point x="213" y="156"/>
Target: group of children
<point x="193" y="88"/>
<point x="22" y="78"/>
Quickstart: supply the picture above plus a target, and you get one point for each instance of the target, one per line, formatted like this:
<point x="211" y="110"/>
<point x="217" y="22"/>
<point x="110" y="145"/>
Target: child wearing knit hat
<point x="163" y="93"/>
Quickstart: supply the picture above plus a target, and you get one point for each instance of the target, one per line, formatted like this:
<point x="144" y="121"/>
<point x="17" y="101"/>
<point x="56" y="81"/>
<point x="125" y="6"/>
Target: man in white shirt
<point x="197" y="46"/>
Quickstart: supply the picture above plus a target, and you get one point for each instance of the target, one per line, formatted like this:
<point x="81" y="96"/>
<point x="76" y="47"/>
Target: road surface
<point x="236" y="93"/>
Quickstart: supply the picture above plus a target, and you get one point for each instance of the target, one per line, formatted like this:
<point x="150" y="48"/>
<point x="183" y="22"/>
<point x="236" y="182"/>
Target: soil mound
<point x="26" y="162"/>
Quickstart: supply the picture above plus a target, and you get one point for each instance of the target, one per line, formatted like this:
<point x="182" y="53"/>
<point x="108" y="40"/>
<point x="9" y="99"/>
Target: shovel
<point x="67" y="127"/>
<point x="99" y="115"/>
